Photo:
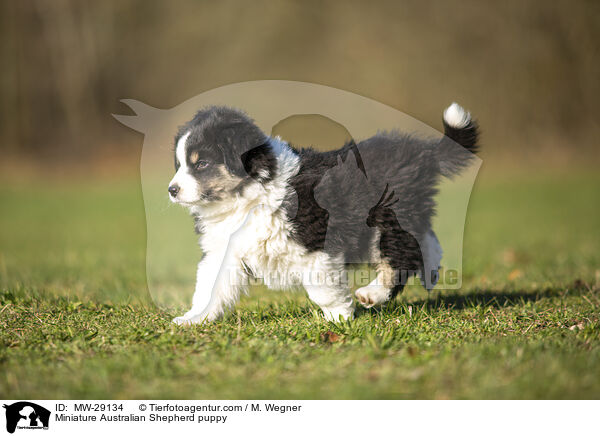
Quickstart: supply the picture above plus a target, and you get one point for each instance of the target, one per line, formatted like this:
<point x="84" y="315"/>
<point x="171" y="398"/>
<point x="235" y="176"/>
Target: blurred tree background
<point x="527" y="69"/>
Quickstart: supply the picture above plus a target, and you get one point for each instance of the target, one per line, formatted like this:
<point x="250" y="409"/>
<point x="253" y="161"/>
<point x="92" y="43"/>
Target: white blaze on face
<point x="188" y="186"/>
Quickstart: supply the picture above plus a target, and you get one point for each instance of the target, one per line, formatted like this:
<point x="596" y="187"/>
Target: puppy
<point x="298" y="217"/>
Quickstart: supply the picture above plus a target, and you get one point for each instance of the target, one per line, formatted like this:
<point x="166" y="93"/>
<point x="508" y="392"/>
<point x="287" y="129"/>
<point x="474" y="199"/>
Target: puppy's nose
<point x="174" y="190"/>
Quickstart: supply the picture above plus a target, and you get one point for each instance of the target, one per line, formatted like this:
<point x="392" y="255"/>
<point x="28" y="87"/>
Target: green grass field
<point x="76" y="320"/>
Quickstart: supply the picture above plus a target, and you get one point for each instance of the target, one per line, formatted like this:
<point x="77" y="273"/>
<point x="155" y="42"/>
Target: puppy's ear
<point x="260" y="163"/>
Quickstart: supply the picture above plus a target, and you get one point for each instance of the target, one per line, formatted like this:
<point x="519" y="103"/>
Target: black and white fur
<point x="263" y="208"/>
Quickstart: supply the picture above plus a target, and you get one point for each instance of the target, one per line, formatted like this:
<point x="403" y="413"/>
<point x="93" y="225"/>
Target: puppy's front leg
<point x="220" y="276"/>
<point x="218" y="284"/>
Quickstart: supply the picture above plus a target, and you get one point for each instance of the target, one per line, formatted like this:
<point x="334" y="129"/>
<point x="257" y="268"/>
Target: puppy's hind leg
<point x="432" y="256"/>
<point x="325" y="281"/>
<point x="379" y="290"/>
<point x="334" y="301"/>
<point x="398" y="258"/>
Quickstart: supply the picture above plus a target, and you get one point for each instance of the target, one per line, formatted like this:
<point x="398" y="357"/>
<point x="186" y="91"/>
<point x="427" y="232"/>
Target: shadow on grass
<point x="479" y="298"/>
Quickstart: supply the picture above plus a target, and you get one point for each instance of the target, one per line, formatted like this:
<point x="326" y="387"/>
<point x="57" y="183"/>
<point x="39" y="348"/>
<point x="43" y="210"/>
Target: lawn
<point x="76" y="320"/>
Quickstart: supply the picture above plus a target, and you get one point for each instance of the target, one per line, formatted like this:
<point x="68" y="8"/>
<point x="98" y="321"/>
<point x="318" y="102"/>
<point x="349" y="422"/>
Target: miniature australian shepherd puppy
<point x="298" y="217"/>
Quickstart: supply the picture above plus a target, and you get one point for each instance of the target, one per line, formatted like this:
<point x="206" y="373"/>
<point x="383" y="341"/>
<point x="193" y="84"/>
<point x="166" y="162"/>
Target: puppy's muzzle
<point x="174" y="190"/>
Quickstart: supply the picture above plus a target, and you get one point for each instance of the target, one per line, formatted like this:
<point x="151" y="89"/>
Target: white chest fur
<point x="259" y="240"/>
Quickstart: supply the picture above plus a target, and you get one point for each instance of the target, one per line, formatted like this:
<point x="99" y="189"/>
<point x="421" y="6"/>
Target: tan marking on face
<point x="194" y="158"/>
<point x="223" y="184"/>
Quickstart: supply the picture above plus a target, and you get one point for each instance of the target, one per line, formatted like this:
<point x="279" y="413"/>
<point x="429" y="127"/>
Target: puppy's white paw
<point x="338" y="313"/>
<point x="372" y="295"/>
<point x="182" y="320"/>
<point x="191" y="318"/>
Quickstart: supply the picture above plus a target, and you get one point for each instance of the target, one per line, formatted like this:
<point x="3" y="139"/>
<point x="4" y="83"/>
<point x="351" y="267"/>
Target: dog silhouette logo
<point x="26" y="415"/>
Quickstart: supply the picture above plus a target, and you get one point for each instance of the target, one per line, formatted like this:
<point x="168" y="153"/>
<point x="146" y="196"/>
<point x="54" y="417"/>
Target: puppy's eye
<point x="202" y="164"/>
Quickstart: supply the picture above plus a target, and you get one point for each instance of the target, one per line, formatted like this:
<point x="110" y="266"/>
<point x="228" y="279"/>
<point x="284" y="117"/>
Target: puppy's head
<point x="217" y="154"/>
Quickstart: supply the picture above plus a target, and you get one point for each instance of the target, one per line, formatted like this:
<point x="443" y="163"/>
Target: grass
<point x="76" y="320"/>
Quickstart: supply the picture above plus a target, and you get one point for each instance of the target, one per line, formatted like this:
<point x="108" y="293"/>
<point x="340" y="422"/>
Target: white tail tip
<point x="455" y="116"/>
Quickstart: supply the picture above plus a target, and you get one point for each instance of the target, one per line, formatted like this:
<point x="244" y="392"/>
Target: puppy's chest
<point x="269" y="252"/>
<point x="261" y="243"/>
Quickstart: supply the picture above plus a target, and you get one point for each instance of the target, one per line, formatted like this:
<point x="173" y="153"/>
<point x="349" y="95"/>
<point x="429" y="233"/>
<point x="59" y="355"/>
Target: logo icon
<point x="26" y="415"/>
